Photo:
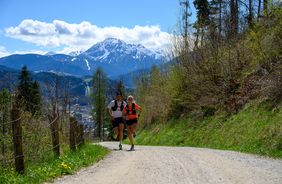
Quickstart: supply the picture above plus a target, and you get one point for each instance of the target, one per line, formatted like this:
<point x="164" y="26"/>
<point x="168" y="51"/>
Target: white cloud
<point x="3" y="51"/>
<point x="83" y="35"/>
<point x="41" y="52"/>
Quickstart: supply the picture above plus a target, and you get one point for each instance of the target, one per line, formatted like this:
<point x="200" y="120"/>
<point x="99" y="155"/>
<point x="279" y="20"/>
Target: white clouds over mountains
<point x="83" y="35"/>
<point x="3" y="51"/>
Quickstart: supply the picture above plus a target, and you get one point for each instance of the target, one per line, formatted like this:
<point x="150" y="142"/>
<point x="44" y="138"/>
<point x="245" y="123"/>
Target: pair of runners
<point x="119" y="111"/>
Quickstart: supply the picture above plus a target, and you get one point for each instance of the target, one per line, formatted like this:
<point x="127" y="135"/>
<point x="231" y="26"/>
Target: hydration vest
<point x="133" y="110"/>
<point x="114" y="108"/>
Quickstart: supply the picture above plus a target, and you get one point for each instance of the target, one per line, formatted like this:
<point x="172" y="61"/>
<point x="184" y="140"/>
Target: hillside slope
<point x="255" y="129"/>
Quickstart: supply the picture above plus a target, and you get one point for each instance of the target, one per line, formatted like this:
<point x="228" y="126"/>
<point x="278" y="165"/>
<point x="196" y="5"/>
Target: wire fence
<point x="26" y="139"/>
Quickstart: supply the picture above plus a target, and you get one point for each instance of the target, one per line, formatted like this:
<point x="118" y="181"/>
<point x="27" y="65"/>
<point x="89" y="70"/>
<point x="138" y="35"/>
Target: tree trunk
<point x="250" y="17"/>
<point x="259" y="7"/>
<point x="197" y="38"/>
<point x="72" y="133"/>
<point x="233" y="18"/>
<point x="185" y="21"/>
<point x="265" y="8"/>
<point x="220" y="17"/>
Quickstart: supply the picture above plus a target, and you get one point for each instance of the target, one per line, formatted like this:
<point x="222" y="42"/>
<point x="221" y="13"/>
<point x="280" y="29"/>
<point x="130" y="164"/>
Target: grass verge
<point x="52" y="168"/>
<point x="255" y="129"/>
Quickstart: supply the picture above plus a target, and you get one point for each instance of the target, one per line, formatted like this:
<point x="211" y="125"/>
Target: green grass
<point x="255" y="129"/>
<point x="52" y="168"/>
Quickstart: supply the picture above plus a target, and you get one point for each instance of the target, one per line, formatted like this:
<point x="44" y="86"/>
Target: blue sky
<point x="67" y="25"/>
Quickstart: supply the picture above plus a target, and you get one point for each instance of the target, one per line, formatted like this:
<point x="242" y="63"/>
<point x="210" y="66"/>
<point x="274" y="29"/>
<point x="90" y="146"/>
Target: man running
<point x="115" y="109"/>
<point x="130" y="111"/>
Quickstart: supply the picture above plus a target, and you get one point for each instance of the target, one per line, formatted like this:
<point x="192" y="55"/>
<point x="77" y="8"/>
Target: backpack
<point x="132" y="109"/>
<point x="114" y="108"/>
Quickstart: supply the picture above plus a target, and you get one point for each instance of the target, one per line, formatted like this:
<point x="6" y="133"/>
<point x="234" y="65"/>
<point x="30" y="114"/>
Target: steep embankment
<point x="255" y="129"/>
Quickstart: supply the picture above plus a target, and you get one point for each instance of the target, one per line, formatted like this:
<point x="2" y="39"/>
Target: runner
<point x="115" y="109"/>
<point x="131" y="116"/>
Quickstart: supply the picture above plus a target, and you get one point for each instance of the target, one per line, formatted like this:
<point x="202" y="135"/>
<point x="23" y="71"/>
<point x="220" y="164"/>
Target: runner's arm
<point x="139" y="109"/>
<point x="110" y="110"/>
<point x="124" y="113"/>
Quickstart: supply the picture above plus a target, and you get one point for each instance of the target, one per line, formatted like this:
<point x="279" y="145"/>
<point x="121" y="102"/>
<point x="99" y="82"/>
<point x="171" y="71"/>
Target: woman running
<point x="130" y="111"/>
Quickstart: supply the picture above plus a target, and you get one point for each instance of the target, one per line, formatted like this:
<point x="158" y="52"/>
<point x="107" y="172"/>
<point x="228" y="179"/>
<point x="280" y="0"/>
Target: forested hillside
<point x="225" y="83"/>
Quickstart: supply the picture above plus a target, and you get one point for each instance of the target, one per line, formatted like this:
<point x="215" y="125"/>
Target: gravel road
<point x="165" y="165"/>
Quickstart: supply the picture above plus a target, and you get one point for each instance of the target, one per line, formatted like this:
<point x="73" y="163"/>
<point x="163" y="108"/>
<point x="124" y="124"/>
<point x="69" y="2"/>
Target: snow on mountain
<point x="117" y="57"/>
<point x="114" y="56"/>
<point x="75" y="53"/>
<point x="87" y="64"/>
<point x="50" y="53"/>
<point x="108" y="50"/>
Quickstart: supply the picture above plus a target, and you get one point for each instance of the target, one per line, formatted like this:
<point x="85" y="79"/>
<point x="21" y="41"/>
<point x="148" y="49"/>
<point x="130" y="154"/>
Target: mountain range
<point x="114" y="56"/>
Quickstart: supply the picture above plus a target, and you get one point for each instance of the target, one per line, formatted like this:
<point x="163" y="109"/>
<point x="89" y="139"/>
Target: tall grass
<point x="255" y="129"/>
<point x="52" y="167"/>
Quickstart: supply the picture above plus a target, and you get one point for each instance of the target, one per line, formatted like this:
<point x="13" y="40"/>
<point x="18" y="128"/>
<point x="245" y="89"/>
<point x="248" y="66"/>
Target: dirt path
<point x="164" y="165"/>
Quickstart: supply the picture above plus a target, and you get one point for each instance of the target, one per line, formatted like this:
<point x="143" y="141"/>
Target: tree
<point x="203" y="11"/>
<point x="121" y="88"/>
<point x="233" y="18"/>
<point x="259" y="9"/>
<point x="35" y="98"/>
<point x="99" y="100"/>
<point x="251" y="13"/>
<point x="28" y="92"/>
<point x="215" y="15"/>
<point x="24" y="89"/>
<point x="158" y="98"/>
<point x="265" y="8"/>
<point x="185" y="8"/>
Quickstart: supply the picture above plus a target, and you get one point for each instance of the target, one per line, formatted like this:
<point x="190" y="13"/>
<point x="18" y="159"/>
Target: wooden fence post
<point x="72" y="133"/>
<point x="17" y="139"/>
<point x="81" y="134"/>
<point x="55" y="136"/>
<point x="77" y="139"/>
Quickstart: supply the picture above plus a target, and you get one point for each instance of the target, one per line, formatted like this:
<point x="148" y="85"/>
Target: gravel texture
<point x="165" y="165"/>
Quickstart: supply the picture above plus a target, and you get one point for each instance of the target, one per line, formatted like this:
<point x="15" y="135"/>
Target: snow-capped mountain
<point x="75" y="53"/>
<point x="111" y="50"/>
<point x="114" y="56"/>
<point x="50" y="53"/>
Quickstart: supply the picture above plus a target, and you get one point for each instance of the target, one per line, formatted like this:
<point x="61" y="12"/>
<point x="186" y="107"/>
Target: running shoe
<point x="132" y="148"/>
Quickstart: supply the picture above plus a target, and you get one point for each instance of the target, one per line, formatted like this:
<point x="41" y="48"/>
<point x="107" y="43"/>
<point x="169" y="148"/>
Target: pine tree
<point x="185" y="8"/>
<point x="121" y="88"/>
<point x="28" y="97"/>
<point x="35" y="98"/>
<point x="99" y="100"/>
<point x="24" y="87"/>
<point x="251" y="13"/>
<point x="203" y="12"/>
<point x="234" y="16"/>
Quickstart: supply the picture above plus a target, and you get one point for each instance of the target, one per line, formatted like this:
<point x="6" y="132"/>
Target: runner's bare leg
<point x="115" y="132"/>
<point x="129" y="131"/>
<point x="134" y="125"/>
<point x="120" y="130"/>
